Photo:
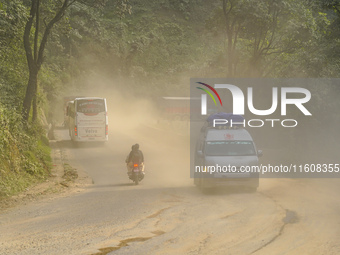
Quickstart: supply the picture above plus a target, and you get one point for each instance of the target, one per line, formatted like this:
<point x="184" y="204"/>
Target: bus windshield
<point x="90" y="105"/>
<point x="230" y="148"/>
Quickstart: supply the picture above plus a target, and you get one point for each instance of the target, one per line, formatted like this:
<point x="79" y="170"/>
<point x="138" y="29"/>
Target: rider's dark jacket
<point x="135" y="156"/>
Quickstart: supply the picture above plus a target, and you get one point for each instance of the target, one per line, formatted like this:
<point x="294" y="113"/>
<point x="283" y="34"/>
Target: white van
<point x="222" y="155"/>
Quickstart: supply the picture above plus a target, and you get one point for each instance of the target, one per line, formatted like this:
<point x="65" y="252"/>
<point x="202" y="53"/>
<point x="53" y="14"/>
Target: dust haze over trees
<point x="150" y="45"/>
<point x="35" y="56"/>
<point x="150" y="40"/>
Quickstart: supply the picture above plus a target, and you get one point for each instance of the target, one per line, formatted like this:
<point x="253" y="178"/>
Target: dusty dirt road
<point x="166" y="214"/>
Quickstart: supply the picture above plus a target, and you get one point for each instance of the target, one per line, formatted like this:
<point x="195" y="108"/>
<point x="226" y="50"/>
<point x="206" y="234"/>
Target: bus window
<point x="90" y="106"/>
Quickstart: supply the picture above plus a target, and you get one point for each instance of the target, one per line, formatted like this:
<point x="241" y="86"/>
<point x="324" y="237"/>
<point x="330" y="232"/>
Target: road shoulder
<point x="63" y="180"/>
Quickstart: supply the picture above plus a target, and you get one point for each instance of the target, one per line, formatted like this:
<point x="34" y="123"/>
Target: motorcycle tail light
<point x="135" y="165"/>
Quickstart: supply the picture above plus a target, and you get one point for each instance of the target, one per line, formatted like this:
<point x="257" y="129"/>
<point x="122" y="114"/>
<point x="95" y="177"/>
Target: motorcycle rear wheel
<point x="136" y="179"/>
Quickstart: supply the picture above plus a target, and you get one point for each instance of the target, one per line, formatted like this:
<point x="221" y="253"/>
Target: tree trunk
<point x="30" y="93"/>
<point x="231" y="36"/>
<point x="230" y="55"/>
<point x="35" y="59"/>
<point x="35" y="108"/>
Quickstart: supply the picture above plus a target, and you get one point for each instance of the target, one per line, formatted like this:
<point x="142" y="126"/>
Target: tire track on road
<point x="291" y="217"/>
<point x="126" y="242"/>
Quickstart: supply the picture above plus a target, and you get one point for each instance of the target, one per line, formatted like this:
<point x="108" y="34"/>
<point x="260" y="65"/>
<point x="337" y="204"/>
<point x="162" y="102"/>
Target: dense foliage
<point x="24" y="156"/>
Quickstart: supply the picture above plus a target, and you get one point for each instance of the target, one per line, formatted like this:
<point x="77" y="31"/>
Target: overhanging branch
<point x="49" y="26"/>
<point x="27" y="32"/>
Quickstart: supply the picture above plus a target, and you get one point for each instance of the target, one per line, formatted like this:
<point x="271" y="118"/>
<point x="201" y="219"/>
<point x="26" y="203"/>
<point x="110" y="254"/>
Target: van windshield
<point x="229" y="148"/>
<point x="90" y="105"/>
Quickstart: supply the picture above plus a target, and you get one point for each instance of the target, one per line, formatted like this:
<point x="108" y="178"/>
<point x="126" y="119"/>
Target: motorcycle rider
<point x="135" y="156"/>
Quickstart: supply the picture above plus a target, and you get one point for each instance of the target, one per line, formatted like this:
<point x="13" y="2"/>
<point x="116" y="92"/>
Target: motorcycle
<point x="136" y="174"/>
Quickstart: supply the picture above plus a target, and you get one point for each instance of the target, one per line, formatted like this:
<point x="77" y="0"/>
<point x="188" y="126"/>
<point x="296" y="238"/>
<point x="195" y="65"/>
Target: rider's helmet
<point x="136" y="146"/>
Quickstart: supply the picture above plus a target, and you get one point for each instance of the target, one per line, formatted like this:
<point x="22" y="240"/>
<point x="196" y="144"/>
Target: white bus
<point x="88" y="120"/>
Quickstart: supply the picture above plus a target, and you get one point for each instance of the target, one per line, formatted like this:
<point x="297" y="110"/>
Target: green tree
<point x="12" y="62"/>
<point x="260" y="34"/>
<point x="35" y="53"/>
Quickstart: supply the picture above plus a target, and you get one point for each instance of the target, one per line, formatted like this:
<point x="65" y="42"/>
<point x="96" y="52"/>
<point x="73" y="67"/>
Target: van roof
<point x="88" y="98"/>
<point x="228" y="134"/>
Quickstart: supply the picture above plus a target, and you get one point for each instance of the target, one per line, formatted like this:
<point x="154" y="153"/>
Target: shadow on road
<point x="104" y="186"/>
<point x="144" y="187"/>
<point x="75" y="145"/>
<point x="123" y="184"/>
<point x="224" y="191"/>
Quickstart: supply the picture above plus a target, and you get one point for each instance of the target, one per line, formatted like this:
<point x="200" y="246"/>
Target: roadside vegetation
<point x="149" y="48"/>
<point x="24" y="155"/>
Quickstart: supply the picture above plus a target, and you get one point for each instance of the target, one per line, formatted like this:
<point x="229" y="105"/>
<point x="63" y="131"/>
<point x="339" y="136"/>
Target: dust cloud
<point x="284" y="216"/>
<point x="166" y="153"/>
<point x="165" y="145"/>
